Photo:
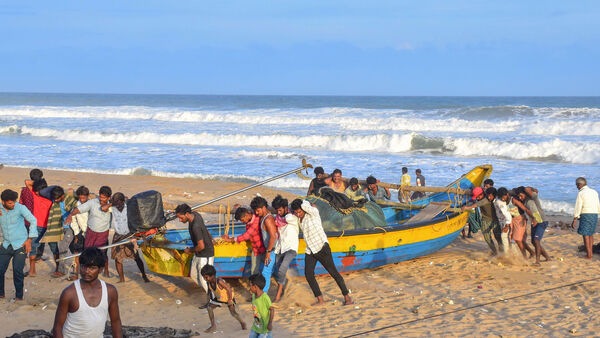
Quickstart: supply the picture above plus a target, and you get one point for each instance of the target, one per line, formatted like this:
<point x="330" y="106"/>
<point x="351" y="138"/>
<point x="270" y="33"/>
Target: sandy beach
<point x="458" y="291"/>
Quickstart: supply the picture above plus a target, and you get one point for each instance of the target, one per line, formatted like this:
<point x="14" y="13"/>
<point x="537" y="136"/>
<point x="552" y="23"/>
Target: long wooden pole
<point x="171" y="216"/>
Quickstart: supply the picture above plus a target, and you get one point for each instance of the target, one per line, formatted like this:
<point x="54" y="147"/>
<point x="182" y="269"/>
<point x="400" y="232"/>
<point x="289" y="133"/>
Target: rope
<point x="471" y="307"/>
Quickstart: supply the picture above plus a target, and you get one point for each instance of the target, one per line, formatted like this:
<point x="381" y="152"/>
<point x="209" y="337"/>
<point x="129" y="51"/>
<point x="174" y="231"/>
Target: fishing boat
<point x="429" y="226"/>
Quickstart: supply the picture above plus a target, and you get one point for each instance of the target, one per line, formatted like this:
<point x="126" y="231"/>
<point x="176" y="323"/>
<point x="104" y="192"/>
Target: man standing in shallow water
<point x="85" y="305"/>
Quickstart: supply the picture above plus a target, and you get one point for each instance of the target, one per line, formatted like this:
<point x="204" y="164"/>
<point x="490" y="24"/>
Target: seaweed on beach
<point x="128" y="331"/>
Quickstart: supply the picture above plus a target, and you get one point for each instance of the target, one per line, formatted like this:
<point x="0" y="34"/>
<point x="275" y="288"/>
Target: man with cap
<point x="318" y="182"/>
<point x="374" y="192"/>
<point x="488" y="216"/>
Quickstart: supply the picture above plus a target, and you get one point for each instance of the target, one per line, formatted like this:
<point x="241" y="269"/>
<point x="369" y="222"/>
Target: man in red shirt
<point x="252" y="234"/>
<point x="41" y="210"/>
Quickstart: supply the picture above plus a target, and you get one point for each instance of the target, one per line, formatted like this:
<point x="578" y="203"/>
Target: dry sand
<point x="458" y="291"/>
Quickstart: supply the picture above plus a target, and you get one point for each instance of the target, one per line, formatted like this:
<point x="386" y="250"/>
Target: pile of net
<point x="128" y="331"/>
<point x="339" y="213"/>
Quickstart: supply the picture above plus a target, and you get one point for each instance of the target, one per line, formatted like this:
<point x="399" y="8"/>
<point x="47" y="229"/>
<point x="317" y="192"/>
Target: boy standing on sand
<point x="219" y="292"/>
<point x="262" y="327"/>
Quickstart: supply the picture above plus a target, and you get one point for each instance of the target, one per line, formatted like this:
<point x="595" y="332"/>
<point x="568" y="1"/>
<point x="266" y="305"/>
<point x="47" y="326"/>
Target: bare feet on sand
<point x="211" y="329"/>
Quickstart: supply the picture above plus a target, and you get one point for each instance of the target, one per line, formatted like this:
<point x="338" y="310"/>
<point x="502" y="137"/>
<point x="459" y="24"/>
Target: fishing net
<point x="368" y="216"/>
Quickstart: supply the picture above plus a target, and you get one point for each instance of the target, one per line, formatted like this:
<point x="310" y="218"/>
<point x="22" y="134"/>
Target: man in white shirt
<point x="98" y="221"/>
<point x="122" y="233"/>
<point x="587" y="208"/>
<point x="317" y="250"/>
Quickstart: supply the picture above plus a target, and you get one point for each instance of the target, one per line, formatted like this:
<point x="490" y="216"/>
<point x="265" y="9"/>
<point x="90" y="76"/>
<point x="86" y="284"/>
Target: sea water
<point x="545" y="142"/>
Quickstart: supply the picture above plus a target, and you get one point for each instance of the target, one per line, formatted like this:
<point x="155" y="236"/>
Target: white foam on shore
<point x="555" y="150"/>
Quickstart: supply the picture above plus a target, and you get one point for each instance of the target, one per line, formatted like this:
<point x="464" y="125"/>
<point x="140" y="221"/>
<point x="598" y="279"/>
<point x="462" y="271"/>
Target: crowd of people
<point x="48" y="214"/>
<point x="502" y="215"/>
<point x="372" y="190"/>
<point x="274" y="240"/>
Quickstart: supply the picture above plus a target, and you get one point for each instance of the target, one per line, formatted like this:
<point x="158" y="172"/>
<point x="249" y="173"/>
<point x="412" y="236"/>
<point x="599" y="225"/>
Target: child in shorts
<point x="219" y="292"/>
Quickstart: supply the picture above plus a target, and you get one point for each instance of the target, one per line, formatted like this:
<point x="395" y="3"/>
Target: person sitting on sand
<point x="318" y="182"/>
<point x="264" y="313"/>
<point x="537" y="219"/>
<point x="98" y="225"/>
<point x="122" y="252"/>
<point x="220" y="292"/>
<point x="86" y="304"/>
<point x="374" y="192"/>
<point x="16" y="243"/>
<point x="252" y="234"/>
<point x="336" y="182"/>
<point x="203" y="249"/>
<point x="286" y="247"/>
<point x="587" y="208"/>
<point x="317" y="250"/>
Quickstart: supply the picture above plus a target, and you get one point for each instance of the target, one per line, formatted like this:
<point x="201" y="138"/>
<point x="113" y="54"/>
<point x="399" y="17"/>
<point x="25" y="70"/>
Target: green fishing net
<point x="367" y="217"/>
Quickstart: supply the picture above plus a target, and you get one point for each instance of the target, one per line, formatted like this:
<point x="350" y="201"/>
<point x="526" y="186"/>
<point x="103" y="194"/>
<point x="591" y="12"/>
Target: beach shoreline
<point x="457" y="291"/>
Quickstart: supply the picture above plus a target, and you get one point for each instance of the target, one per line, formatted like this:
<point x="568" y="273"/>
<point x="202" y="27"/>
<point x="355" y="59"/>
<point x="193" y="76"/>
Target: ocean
<point x="545" y="142"/>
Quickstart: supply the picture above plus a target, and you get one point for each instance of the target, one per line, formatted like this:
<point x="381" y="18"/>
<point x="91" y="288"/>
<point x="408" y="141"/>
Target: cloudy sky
<point x="301" y="47"/>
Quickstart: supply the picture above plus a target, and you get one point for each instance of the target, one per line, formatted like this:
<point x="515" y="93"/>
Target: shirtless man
<point x="84" y="305"/>
<point x="336" y="182"/>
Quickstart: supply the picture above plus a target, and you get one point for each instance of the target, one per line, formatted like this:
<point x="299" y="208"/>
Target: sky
<point x="398" y="48"/>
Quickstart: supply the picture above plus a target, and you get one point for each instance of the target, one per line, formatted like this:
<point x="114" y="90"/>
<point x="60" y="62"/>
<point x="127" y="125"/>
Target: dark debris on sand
<point x="128" y="331"/>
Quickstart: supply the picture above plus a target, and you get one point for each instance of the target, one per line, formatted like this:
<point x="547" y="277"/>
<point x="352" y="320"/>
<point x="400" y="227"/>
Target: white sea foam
<point x="545" y="121"/>
<point x="557" y="207"/>
<point x="553" y="150"/>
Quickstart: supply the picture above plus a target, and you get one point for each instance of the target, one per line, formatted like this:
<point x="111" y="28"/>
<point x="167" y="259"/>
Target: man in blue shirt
<point x="16" y="243"/>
